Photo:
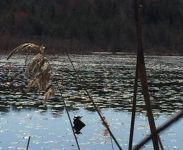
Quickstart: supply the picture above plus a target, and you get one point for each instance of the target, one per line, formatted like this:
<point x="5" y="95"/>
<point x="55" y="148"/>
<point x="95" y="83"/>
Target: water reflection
<point x="109" y="80"/>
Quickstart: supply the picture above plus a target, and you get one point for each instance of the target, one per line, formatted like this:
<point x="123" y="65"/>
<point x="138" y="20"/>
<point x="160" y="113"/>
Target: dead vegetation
<point x="38" y="70"/>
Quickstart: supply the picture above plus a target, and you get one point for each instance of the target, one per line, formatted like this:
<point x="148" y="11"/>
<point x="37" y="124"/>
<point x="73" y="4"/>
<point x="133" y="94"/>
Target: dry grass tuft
<point x="27" y="47"/>
<point x="38" y="70"/>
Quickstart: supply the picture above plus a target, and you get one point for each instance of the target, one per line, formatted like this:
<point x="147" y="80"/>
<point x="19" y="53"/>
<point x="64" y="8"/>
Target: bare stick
<point x="170" y="122"/>
<point x="142" y="71"/>
<point x="95" y="106"/>
<point x="133" y="109"/>
<point x="72" y="127"/>
<point x="71" y="124"/>
<point x="28" y="143"/>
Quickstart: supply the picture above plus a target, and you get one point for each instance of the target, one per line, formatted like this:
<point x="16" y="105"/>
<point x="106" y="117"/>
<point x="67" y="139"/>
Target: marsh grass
<point x="38" y="69"/>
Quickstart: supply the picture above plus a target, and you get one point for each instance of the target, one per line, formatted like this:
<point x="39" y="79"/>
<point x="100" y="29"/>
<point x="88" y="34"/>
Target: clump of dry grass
<point x="38" y="70"/>
<point x="28" y="48"/>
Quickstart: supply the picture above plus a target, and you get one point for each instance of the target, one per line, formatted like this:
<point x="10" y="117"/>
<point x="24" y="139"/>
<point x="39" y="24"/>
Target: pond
<point x="109" y="79"/>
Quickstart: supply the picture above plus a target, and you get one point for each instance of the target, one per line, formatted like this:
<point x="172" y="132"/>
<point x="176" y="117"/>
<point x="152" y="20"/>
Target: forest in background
<point x="91" y="25"/>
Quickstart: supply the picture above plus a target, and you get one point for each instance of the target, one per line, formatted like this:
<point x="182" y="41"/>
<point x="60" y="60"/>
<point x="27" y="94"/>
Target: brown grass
<point x="38" y="70"/>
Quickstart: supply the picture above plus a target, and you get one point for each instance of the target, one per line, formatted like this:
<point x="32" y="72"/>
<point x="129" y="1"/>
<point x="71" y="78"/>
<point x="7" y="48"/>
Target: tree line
<point x="105" y="24"/>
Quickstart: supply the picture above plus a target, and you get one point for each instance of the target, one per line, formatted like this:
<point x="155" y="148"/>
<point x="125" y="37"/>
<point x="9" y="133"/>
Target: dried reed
<point x="27" y="47"/>
<point x="38" y="70"/>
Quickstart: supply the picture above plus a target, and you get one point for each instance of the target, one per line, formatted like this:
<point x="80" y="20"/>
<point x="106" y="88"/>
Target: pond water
<point x="109" y="79"/>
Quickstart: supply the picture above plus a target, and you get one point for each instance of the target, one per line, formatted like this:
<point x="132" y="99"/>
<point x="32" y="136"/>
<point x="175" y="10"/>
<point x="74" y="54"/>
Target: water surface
<point x="109" y="79"/>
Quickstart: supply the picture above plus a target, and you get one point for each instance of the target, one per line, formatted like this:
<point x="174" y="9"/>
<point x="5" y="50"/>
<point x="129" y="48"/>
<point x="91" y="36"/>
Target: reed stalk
<point x="166" y="125"/>
<point x="72" y="127"/>
<point x="69" y="117"/>
<point x="138" y="9"/>
<point x="95" y="106"/>
<point x="38" y="70"/>
<point x="130" y="144"/>
<point x="28" y="142"/>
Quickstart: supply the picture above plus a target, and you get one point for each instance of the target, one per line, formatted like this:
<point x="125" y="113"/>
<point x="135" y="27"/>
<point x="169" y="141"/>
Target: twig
<point x="112" y="143"/>
<point x="71" y="124"/>
<point x="95" y="106"/>
<point x="27" y="147"/>
<point x="142" y="71"/>
<point x="72" y="127"/>
<point x="174" y="119"/>
<point x="133" y="109"/>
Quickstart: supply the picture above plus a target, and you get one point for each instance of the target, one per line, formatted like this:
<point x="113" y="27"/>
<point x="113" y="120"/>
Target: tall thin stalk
<point x="133" y="109"/>
<point x="142" y="71"/>
<point x="28" y="142"/>
<point x="166" y="125"/>
<point x="72" y="127"/>
<point x="95" y="106"/>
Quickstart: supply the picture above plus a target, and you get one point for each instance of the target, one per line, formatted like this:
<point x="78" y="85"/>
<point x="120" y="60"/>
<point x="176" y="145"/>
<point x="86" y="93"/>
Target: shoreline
<point x="75" y="46"/>
<point x="104" y="53"/>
